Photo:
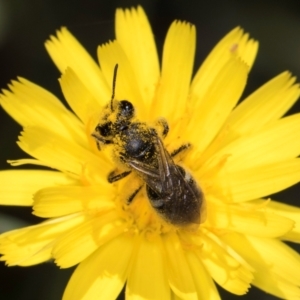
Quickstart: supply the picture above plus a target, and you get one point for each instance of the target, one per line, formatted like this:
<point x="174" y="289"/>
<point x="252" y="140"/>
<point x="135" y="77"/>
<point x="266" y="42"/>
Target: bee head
<point x="125" y="110"/>
<point x="117" y="120"/>
<point x="116" y="117"/>
<point x="120" y="111"/>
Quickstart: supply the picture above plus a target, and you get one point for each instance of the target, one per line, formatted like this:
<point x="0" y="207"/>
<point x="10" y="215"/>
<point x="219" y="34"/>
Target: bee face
<point x="171" y="190"/>
<point x="115" y="120"/>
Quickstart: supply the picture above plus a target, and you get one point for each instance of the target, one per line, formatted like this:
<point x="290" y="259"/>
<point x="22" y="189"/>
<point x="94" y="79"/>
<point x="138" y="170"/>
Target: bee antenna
<point x="113" y="86"/>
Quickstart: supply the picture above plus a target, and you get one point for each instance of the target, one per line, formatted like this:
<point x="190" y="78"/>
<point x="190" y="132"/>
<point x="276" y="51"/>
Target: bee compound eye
<point x="126" y="109"/>
<point x="105" y="129"/>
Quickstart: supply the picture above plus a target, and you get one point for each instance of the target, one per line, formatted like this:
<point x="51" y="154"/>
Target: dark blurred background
<point x="26" y="24"/>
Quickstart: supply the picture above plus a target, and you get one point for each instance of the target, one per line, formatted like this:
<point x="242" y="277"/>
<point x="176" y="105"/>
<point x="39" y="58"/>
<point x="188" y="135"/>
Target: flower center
<point x="134" y="206"/>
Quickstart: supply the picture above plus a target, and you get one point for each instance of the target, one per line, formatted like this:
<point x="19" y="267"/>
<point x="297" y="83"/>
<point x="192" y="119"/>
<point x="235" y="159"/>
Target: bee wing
<point x="185" y="197"/>
<point x="166" y="165"/>
<point x="150" y="175"/>
<point x="159" y="179"/>
<point x="182" y="199"/>
<point x="143" y="169"/>
<point x="186" y="201"/>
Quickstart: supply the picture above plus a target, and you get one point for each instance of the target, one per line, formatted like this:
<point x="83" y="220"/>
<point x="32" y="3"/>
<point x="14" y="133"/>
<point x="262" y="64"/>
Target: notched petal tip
<point x="176" y="73"/>
<point x="241" y="44"/>
<point x="59" y="33"/>
<point x="134" y="35"/>
<point x="235" y="43"/>
<point x="132" y="12"/>
<point x="66" y="51"/>
<point x="225" y="266"/>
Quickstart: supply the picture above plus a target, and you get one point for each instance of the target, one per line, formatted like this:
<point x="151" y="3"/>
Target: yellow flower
<point x="238" y="155"/>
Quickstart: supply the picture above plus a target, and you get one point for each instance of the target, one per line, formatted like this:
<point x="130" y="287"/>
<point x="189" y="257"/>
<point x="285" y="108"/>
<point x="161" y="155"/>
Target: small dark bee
<point x="171" y="190"/>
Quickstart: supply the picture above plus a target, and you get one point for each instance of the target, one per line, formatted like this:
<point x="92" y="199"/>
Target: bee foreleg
<point x="180" y="149"/>
<point x="131" y="197"/>
<point x="113" y="177"/>
<point x="99" y="139"/>
<point x="165" y="127"/>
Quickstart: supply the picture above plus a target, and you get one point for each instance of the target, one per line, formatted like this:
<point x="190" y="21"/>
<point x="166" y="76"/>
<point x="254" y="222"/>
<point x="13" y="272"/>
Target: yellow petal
<point x="14" y="255"/>
<point x="134" y="34"/>
<point x="102" y="275"/>
<point x="247" y="219"/>
<point x="148" y="263"/>
<point x="235" y="44"/>
<point x="264" y="106"/>
<point x="127" y="86"/>
<point x="66" y="51"/>
<point x="226" y="270"/>
<point x="208" y="116"/>
<point x="177" y="67"/>
<point x="267" y="104"/>
<point x="259" y="181"/>
<point x="80" y="99"/>
<point x="78" y="243"/>
<point x="61" y="154"/>
<point x="62" y="200"/>
<point x="18" y="186"/>
<point x="174" y="296"/>
<point x="33" y="244"/>
<point x="206" y="289"/>
<point x="31" y="105"/>
<point x="287" y="211"/>
<point x="27" y="161"/>
<point x="277" y="266"/>
<point x="276" y="142"/>
<point x="179" y="275"/>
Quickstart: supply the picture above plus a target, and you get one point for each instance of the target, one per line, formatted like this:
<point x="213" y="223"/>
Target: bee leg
<point x="165" y="127"/>
<point x="180" y="149"/>
<point x="112" y="177"/>
<point x="131" y="197"/>
<point x="99" y="139"/>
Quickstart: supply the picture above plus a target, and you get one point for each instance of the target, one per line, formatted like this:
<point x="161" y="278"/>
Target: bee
<point x="171" y="190"/>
